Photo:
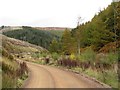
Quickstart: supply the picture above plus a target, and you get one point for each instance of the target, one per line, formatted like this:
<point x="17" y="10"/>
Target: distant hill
<point x="10" y="28"/>
<point x="41" y="38"/>
<point x="52" y="28"/>
<point x="7" y="28"/>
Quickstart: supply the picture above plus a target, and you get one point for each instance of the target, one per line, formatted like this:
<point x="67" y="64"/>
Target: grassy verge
<point x="13" y="74"/>
<point x="108" y="77"/>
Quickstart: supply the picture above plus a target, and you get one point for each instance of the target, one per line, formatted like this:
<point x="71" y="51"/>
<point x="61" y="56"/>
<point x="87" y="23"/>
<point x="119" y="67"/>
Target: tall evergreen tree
<point x="68" y="43"/>
<point x="55" y="46"/>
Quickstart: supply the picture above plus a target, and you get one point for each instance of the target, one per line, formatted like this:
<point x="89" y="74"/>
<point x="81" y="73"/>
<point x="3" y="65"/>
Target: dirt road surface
<point x="42" y="76"/>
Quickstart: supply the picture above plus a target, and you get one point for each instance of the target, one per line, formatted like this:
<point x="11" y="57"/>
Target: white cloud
<point x="61" y="13"/>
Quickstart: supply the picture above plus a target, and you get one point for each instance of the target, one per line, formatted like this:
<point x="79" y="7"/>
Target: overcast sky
<point x="48" y="13"/>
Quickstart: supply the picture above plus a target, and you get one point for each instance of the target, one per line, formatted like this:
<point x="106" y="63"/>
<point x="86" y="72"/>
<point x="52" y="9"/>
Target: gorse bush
<point x="72" y="57"/>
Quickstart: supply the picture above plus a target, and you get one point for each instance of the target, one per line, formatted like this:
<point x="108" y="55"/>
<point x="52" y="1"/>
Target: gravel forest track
<point x="43" y="76"/>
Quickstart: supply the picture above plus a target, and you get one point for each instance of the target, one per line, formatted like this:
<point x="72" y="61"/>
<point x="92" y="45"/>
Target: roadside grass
<point x="8" y="64"/>
<point x="8" y="81"/>
<point x="8" y="73"/>
<point x="11" y="81"/>
<point x="108" y="77"/>
<point x="13" y="74"/>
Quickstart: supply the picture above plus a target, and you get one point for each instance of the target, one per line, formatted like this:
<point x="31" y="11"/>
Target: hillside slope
<point x="14" y="46"/>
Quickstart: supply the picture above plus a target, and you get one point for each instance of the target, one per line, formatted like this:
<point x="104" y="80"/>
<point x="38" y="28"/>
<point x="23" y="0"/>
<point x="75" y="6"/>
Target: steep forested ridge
<point x="101" y="30"/>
